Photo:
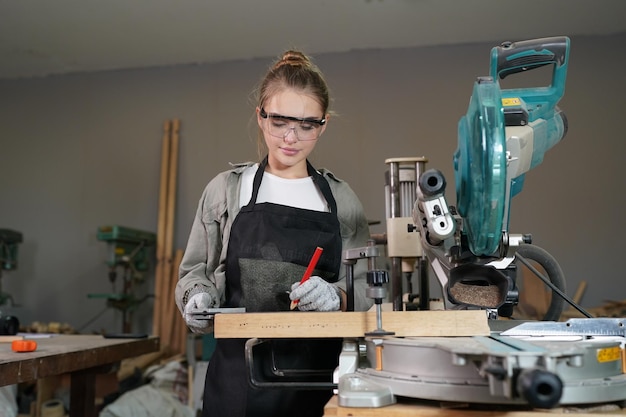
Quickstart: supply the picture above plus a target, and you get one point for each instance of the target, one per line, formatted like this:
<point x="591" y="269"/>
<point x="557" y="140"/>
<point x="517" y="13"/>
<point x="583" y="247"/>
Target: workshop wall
<point x="81" y="151"/>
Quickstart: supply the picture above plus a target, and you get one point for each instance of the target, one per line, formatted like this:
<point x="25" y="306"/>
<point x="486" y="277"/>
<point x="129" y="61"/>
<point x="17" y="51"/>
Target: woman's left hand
<point x="315" y="294"/>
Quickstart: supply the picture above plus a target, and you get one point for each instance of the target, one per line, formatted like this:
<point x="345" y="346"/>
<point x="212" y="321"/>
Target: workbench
<point x="407" y="407"/>
<point x="80" y="356"/>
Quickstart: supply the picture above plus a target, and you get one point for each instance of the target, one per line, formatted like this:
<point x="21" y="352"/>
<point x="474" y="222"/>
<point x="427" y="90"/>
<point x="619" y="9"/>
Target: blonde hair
<point x="294" y="70"/>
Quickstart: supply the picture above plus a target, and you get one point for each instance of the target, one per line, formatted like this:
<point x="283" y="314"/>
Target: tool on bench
<point x="376" y="279"/>
<point x="131" y="250"/>
<point x="9" y="240"/>
<point x="403" y="245"/>
<point x="210" y="313"/>
<point x="23" y="345"/>
<point x="504" y="134"/>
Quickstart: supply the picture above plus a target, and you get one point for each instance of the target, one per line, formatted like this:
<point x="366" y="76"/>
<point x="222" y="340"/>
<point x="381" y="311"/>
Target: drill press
<point x="403" y="245"/>
<point x="9" y="239"/>
<point x="130" y="250"/>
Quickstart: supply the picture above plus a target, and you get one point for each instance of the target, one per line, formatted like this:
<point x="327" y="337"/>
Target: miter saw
<point x="504" y="134"/>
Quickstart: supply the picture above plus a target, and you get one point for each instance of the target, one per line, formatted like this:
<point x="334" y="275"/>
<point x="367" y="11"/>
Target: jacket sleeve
<point x="354" y="234"/>
<point x="203" y="264"/>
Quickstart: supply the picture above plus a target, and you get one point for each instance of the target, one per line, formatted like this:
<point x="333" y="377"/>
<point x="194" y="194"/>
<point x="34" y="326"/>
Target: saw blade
<point x="582" y="327"/>
<point x="480" y="168"/>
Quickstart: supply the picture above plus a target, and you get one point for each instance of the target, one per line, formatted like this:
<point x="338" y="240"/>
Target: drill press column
<point x="403" y="241"/>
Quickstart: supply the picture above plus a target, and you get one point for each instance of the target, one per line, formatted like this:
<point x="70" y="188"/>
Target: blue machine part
<point x="550" y="132"/>
<point x="484" y="188"/>
<point x="480" y="168"/>
<point x="514" y="57"/>
<point x="539" y="104"/>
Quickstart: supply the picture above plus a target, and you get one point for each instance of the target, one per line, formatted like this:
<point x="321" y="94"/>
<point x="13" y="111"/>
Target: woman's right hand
<point x="197" y="304"/>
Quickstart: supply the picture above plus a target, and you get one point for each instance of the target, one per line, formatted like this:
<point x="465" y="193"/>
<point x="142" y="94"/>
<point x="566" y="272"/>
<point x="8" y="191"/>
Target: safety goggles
<point x="304" y="128"/>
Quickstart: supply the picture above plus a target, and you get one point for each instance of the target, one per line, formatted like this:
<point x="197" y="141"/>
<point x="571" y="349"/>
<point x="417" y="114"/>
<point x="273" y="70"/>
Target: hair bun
<point x="294" y="59"/>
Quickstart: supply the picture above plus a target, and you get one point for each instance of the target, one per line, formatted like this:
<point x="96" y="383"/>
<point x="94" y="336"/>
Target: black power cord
<point x="553" y="287"/>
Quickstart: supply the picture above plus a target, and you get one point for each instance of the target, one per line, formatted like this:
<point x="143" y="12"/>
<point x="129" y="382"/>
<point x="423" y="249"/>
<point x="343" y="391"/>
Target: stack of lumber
<point x="167" y="322"/>
<point x="608" y="309"/>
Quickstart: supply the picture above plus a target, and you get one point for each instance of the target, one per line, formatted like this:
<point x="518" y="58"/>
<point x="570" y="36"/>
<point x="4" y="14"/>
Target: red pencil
<point x="308" y="272"/>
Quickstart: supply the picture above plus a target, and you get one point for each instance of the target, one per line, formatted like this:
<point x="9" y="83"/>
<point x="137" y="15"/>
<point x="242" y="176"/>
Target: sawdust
<point x="478" y="295"/>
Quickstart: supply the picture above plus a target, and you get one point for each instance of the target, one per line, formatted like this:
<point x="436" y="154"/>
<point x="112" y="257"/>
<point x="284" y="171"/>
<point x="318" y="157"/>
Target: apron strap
<point x="318" y="180"/>
<point x="322" y="184"/>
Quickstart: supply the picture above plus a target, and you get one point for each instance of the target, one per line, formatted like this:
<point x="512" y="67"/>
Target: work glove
<point x="315" y="294"/>
<point x="197" y="303"/>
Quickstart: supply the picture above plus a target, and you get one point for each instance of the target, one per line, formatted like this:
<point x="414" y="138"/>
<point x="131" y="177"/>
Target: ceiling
<point x="45" y="37"/>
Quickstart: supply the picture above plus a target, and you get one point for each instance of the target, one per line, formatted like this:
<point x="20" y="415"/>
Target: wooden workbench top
<point x="417" y="408"/>
<point x="59" y="354"/>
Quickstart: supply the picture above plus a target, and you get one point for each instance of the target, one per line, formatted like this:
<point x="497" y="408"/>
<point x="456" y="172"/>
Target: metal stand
<point x="403" y="240"/>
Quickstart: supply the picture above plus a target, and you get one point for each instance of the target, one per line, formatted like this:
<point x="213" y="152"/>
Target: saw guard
<point x="480" y="168"/>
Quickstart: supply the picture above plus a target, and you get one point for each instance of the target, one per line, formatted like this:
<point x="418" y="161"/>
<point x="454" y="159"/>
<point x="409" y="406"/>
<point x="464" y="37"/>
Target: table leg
<point x="83" y="391"/>
<point x="82" y="394"/>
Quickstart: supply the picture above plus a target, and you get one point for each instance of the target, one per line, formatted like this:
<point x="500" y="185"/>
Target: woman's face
<point x="289" y="142"/>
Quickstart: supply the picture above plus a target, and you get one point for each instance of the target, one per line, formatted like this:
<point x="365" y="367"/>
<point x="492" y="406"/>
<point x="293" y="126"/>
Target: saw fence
<point x="167" y="323"/>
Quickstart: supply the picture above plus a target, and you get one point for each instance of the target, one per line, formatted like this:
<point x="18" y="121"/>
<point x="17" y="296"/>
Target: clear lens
<point x="304" y="129"/>
<point x="280" y="127"/>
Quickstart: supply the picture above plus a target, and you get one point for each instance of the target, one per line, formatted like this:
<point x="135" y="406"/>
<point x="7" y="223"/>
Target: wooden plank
<point x="168" y="331"/>
<point x="162" y="214"/>
<point x="535" y="297"/>
<point x="10" y="339"/>
<point x="351" y="324"/>
<point x="168" y="262"/>
<point x="171" y="188"/>
<point x="580" y="291"/>
<point x="170" y="216"/>
<point x="417" y="408"/>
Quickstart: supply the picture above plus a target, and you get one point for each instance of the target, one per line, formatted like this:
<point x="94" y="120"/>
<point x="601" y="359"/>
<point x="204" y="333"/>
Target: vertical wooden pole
<point x="171" y="316"/>
<point x="171" y="197"/>
<point x="160" y="247"/>
<point x="169" y="227"/>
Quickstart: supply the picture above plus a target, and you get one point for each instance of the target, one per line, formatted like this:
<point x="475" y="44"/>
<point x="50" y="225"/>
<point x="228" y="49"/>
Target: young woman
<point x="255" y="230"/>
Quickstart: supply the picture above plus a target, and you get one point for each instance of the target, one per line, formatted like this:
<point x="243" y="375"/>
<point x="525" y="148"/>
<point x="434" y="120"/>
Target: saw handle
<point x="510" y="58"/>
<point x="513" y="57"/>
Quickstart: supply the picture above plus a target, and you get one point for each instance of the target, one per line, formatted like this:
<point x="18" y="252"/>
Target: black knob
<point x="432" y="182"/>
<point x="542" y="389"/>
<point x="377" y="277"/>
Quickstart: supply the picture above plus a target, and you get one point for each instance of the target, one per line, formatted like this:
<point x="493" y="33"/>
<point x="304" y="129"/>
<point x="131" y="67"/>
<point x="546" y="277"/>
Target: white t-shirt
<point x="299" y="192"/>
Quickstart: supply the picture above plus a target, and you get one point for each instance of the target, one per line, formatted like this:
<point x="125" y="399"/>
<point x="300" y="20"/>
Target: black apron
<point x="269" y="248"/>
